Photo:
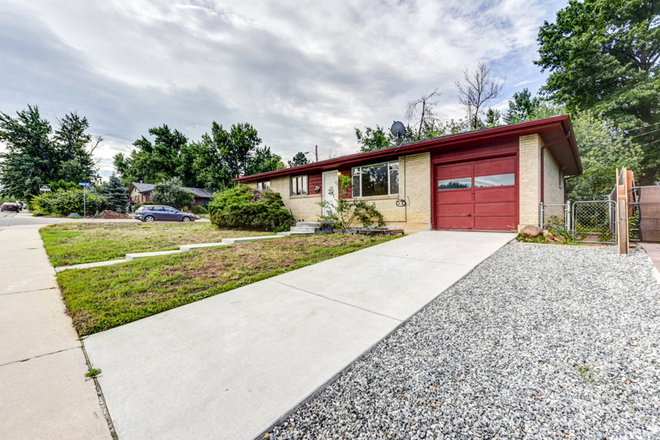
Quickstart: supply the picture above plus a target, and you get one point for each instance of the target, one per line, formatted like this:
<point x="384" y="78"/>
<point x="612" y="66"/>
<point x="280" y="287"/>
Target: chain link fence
<point x="594" y="221"/>
<point x="556" y="218"/>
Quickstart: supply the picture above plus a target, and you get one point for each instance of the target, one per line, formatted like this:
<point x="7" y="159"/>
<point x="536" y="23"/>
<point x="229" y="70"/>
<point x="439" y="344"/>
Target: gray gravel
<point x="536" y="342"/>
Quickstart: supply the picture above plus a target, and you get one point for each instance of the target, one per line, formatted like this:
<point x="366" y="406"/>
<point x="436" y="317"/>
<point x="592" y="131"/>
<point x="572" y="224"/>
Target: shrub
<point x="169" y="192"/>
<point x="243" y="207"/>
<point x="344" y="213"/>
<point x="200" y="210"/>
<point x="66" y="201"/>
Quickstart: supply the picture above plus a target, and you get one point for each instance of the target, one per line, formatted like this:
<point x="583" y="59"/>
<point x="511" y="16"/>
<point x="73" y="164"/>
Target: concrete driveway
<point x="230" y="366"/>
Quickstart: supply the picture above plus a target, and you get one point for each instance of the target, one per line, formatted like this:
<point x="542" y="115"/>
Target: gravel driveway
<point x="536" y="342"/>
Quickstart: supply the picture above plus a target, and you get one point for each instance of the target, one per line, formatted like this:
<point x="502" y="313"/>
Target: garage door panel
<point x="456" y="196"/>
<point x="457" y="209"/>
<point x="500" y="194"/>
<point x="495" y="209"/>
<point x="495" y="223"/>
<point x="453" y="222"/>
<point x="495" y="166"/>
<point x="454" y="170"/>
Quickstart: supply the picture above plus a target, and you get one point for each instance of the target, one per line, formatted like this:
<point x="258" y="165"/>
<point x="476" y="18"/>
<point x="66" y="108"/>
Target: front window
<point x="263" y="186"/>
<point x="376" y="180"/>
<point x="299" y="185"/>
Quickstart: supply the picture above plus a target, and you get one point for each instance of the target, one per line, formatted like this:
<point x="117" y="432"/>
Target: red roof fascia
<point x="490" y="135"/>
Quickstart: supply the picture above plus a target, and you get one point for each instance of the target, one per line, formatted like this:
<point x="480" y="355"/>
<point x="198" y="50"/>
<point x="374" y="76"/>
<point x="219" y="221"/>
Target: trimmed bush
<point x="66" y="201"/>
<point x="243" y="207"/>
<point x="199" y="209"/>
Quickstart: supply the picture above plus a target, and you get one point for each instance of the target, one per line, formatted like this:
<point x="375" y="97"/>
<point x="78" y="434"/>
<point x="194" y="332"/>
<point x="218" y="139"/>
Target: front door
<point x="330" y="190"/>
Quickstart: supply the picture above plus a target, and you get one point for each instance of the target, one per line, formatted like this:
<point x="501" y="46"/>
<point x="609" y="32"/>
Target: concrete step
<point x="189" y="247"/>
<point x="131" y="257"/>
<point x="303" y="229"/>
<point x="308" y="224"/>
<point x="242" y="239"/>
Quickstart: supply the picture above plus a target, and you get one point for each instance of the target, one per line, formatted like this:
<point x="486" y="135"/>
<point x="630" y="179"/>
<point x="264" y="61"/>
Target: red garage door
<point x="480" y="195"/>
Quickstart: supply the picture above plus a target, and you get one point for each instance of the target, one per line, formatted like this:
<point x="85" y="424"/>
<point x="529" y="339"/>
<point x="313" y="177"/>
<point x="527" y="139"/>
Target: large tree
<point x="35" y="155"/>
<point x="151" y="163"/>
<point x="603" y="56"/>
<point x="522" y="107"/>
<point x="374" y="139"/>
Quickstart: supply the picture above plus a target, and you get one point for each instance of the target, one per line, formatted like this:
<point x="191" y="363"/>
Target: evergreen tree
<point x="116" y="193"/>
<point x="298" y="159"/>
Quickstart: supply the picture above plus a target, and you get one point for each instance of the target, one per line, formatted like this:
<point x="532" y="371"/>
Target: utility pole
<point x="316" y="149"/>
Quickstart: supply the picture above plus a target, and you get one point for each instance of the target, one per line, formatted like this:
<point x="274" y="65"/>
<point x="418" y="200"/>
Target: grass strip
<point x="76" y="243"/>
<point x="104" y="297"/>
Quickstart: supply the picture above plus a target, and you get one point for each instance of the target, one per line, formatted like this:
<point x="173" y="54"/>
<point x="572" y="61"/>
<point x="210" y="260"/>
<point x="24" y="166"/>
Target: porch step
<point x="308" y="224"/>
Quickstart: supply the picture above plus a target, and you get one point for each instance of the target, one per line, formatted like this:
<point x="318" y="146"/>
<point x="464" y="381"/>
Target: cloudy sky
<point x="304" y="73"/>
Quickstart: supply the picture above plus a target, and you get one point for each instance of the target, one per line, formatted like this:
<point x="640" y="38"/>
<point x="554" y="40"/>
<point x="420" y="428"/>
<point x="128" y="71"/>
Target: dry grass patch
<point x="76" y="243"/>
<point x="104" y="297"/>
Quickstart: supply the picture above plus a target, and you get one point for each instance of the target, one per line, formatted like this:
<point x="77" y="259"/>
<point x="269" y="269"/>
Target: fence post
<point x="567" y="220"/>
<point x="622" y="212"/>
<point x="542" y="216"/>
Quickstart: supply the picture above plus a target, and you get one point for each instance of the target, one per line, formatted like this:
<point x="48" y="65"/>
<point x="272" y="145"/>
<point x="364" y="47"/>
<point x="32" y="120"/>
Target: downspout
<point x="405" y="186"/>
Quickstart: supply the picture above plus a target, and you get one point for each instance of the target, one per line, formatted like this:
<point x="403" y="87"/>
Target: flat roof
<point x="556" y="132"/>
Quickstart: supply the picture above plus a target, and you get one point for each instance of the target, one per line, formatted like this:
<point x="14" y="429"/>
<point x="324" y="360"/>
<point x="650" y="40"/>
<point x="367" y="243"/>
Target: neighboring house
<point x="492" y="179"/>
<point x="141" y="192"/>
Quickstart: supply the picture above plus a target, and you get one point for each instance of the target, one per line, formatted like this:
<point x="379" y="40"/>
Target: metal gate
<point x="594" y="221"/>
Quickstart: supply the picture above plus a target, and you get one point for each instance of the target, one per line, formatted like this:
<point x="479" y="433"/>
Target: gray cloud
<point x="303" y="73"/>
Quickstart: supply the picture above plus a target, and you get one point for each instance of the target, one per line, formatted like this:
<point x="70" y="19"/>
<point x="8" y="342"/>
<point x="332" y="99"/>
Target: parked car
<point x="8" y="206"/>
<point x="152" y="213"/>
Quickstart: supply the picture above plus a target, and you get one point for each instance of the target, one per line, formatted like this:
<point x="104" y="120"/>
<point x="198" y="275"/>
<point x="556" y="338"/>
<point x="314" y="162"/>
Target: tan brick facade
<point x="303" y="208"/>
<point x="414" y="186"/>
<point x="529" y="169"/>
<point x="529" y="178"/>
<point x="553" y="187"/>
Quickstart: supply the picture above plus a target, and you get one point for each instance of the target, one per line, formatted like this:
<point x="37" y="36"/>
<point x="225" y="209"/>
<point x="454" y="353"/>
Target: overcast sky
<point x="303" y="73"/>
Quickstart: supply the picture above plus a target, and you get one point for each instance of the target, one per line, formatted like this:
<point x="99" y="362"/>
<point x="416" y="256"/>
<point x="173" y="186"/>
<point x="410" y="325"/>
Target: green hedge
<point x="199" y="209"/>
<point x="242" y="207"/>
<point x="65" y="201"/>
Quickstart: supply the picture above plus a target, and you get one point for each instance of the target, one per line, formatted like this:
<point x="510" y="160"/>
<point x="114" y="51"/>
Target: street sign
<point x="44" y="188"/>
<point x="84" y="184"/>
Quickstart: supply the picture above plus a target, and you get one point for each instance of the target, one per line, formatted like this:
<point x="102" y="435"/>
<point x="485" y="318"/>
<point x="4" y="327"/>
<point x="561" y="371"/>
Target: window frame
<point x="304" y="180"/>
<point x="389" y="179"/>
<point x="262" y="187"/>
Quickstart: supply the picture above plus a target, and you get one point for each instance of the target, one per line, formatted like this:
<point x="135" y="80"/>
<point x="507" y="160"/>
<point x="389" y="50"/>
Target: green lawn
<point x="76" y="243"/>
<point x="104" y="297"/>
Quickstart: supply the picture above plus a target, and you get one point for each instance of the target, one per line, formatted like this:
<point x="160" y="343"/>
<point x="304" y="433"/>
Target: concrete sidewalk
<point x="230" y="366"/>
<point x="43" y="392"/>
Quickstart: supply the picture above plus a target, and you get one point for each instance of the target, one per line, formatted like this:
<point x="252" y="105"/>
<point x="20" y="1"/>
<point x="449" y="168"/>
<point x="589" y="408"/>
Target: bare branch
<point x="478" y="89"/>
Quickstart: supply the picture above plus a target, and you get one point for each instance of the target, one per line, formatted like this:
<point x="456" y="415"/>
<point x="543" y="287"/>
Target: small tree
<point x="116" y="194"/>
<point x="345" y="212"/>
<point x="169" y="192"/>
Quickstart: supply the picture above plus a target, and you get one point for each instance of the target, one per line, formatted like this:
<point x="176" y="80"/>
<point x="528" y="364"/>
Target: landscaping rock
<point x="531" y="231"/>
<point x="547" y="234"/>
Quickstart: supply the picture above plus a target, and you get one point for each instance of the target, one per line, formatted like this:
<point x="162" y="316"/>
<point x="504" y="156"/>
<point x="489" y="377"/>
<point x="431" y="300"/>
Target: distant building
<point x="141" y="192"/>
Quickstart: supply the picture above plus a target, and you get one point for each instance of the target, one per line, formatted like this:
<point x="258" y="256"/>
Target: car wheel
<point x="185" y="219"/>
<point x="149" y="219"/>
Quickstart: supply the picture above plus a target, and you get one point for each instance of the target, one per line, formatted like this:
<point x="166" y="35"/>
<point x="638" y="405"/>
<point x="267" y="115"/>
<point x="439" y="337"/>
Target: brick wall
<point x="554" y="181"/>
<point x="529" y="175"/>
<point x="304" y="208"/>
